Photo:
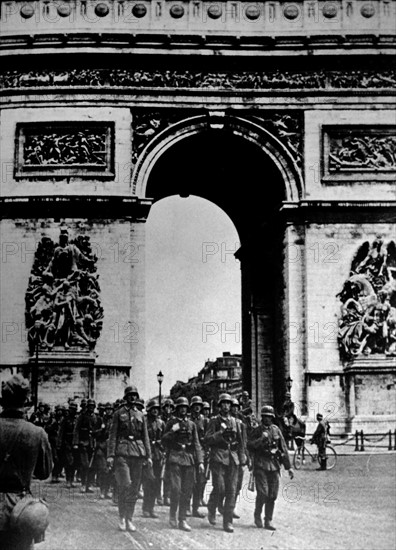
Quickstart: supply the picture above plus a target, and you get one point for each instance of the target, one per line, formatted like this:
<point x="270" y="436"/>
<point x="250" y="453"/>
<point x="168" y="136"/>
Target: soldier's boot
<point x="130" y="526"/>
<point x="173" y="522"/>
<point x="269" y="511"/>
<point x="212" y="517"/>
<point x="228" y="527"/>
<point x="258" y="510"/>
<point x="183" y="525"/>
<point x="323" y="464"/>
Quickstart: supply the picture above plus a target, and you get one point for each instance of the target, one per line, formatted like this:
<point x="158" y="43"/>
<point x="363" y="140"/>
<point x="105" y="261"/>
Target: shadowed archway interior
<point x="236" y="175"/>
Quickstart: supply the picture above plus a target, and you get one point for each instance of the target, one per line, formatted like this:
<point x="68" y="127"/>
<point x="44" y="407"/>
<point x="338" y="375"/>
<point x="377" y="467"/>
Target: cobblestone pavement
<point x="350" y="507"/>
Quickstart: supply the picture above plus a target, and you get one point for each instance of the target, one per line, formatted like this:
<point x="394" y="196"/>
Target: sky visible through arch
<point x="193" y="289"/>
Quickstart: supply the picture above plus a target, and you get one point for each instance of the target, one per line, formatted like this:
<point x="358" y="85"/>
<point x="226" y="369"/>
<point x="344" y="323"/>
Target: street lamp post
<point x="160" y="378"/>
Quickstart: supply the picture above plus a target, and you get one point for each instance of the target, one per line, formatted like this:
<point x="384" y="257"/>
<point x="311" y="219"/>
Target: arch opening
<point x="236" y="175"/>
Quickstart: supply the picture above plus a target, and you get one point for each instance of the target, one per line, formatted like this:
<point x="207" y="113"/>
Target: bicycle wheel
<point x="298" y="458"/>
<point x="331" y="457"/>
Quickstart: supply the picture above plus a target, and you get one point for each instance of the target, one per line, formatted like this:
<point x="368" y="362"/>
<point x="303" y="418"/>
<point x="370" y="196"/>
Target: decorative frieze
<point x="210" y="80"/>
<point x="359" y="152"/>
<point x="367" y="323"/>
<point x="64" y="149"/>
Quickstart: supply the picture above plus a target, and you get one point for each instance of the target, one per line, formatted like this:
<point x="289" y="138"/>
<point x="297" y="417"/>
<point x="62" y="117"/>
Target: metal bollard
<point x="390" y="440"/>
<point x="395" y="440"/>
<point x="361" y="441"/>
<point x="356" y="440"/>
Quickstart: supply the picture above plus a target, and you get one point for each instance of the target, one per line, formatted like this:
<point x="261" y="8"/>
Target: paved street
<point x="351" y="507"/>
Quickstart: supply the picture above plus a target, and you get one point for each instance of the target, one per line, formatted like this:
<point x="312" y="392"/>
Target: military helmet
<point x="169" y="402"/>
<point x="30" y="516"/>
<point x="101" y="406"/>
<point x="235" y="402"/>
<point x="108" y="405"/>
<point x="205" y="405"/>
<point x="83" y="401"/>
<point x="224" y="397"/>
<point x="152" y="404"/>
<point x="140" y="403"/>
<point x="91" y="402"/>
<point x="131" y="389"/>
<point x="267" y="410"/>
<point x="196" y="400"/>
<point x="72" y="405"/>
<point x="182" y="402"/>
<point x="58" y="407"/>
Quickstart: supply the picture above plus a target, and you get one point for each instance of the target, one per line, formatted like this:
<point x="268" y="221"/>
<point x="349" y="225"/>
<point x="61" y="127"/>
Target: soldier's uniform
<point x="152" y="485"/>
<point x="99" y="465"/>
<point x="129" y="446"/>
<point x="167" y="413"/>
<point x="52" y="429"/>
<point x="66" y="452"/>
<point x="30" y="454"/>
<point x="239" y="417"/>
<point x="201" y="423"/>
<point x="227" y="452"/>
<point x="269" y="452"/>
<point x="83" y="440"/>
<point x="184" y="451"/>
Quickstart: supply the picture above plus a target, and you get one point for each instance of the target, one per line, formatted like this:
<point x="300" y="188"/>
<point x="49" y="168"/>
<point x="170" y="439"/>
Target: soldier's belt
<point x="188" y="447"/>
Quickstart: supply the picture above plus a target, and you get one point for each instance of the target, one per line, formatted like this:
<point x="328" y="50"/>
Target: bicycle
<point x="304" y="457"/>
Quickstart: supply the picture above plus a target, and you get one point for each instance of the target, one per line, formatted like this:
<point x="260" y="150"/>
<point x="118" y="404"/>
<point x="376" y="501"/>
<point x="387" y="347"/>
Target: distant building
<point x="224" y="374"/>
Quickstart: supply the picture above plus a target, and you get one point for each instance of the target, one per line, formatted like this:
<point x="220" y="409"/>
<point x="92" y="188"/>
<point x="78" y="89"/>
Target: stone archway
<point x="175" y="161"/>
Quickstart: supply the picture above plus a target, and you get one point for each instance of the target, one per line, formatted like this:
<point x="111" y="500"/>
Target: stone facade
<point x="109" y="115"/>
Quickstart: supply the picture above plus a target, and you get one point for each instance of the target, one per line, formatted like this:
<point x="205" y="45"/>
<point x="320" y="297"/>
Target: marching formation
<point x="167" y="454"/>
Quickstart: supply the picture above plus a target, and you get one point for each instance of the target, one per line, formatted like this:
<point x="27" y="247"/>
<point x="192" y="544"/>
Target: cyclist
<point x="321" y="438"/>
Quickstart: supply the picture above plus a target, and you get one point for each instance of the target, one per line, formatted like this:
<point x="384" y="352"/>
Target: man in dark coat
<point x="227" y="453"/>
<point x="184" y="452"/>
<point x="83" y="441"/>
<point x="201" y="423"/>
<point x="268" y="450"/>
<point x="68" y="455"/>
<point x="321" y="438"/>
<point x="128" y="447"/>
<point x="152" y="484"/>
<point x="24" y="452"/>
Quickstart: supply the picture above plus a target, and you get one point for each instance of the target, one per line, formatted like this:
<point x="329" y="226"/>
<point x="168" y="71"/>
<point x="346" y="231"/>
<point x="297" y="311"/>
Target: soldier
<point x="152" y="485"/>
<point x="269" y="451"/>
<point x="24" y="452"/>
<point x="101" y="435"/>
<point x="181" y="439"/>
<point x="320" y="438"/>
<point x="128" y="447"/>
<point x="83" y="441"/>
<point x="52" y="430"/>
<point x="206" y="409"/>
<point x="140" y="405"/>
<point x="66" y="452"/>
<point x="235" y="412"/>
<point x="168" y="410"/>
<point x="227" y="452"/>
<point x="246" y="404"/>
<point x="39" y="417"/>
<point x="202" y="424"/>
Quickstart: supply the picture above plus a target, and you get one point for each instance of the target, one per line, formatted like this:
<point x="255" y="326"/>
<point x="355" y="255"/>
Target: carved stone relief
<point x="211" y="80"/>
<point x="368" y="312"/>
<point x="63" y="306"/>
<point x="64" y="148"/>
